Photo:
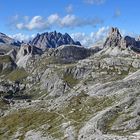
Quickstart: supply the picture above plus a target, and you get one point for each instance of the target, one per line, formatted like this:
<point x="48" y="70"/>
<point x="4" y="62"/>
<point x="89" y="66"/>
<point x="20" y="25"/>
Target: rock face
<point x="114" y="38"/>
<point x="13" y="54"/>
<point x="11" y="88"/>
<point x="52" y="40"/>
<point x="70" y="53"/>
<point x="26" y="51"/>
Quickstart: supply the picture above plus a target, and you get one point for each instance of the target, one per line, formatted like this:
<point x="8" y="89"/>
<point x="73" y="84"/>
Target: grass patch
<point x="82" y="108"/>
<point x="5" y="59"/>
<point x="3" y="105"/>
<point x="17" y="75"/>
<point x="70" y="80"/>
<point x="27" y="119"/>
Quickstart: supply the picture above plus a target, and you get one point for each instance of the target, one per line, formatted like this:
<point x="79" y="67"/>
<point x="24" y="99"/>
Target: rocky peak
<point x="114" y="38"/>
<point x="114" y="32"/>
<point x="52" y="40"/>
<point x="118" y="43"/>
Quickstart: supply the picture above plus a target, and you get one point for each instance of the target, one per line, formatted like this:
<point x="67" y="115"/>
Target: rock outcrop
<point x="71" y="53"/>
<point x="26" y="51"/>
<point x="114" y="38"/>
<point x="13" y="54"/>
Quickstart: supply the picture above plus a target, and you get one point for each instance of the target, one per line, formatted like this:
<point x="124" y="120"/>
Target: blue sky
<point x="29" y="17"/>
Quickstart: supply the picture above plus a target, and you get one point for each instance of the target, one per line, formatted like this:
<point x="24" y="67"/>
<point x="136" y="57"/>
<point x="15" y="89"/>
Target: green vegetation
<point x="5" y="59"/>
<point x="81" y="108"/>
<point x="36" y="93"/>
<point x="110" y="121"/>
<point x="70" y="80"/>
<point x="17" y="75"/>
<point x="128" y="118"/>
<point x="6" y="71"/>
<point x="120" y="132"/>
<point x="27" y="119"/>
<point x="3" y="105"/>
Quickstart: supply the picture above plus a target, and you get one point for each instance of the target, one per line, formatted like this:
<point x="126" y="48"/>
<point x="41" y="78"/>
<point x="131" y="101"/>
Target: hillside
<point x="71" y="92"/>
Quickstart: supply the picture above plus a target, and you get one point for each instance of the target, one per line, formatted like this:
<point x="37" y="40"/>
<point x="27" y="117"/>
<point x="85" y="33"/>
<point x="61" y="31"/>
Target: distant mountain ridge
<point x="53" y="40"/>
<point x="7" y="43"/>
<point x="4" y="39"/>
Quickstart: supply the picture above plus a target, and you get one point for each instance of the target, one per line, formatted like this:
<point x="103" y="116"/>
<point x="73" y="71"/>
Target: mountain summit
<point x="53" y="40"/>
<point x="115" y="39"/>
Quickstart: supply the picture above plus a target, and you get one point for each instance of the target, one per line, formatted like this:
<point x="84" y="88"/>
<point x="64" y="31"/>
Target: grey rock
<point x="70" y="53"/>
<point x="114" y="38"/>
<point x="26" y="52"/>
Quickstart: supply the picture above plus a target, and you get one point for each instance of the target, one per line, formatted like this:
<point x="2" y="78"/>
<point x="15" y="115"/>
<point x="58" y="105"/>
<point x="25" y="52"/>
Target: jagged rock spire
<point x="114" y="38"/>
<point x="53" y="40"/>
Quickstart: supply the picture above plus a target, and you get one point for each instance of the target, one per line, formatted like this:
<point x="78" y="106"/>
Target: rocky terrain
<point x="71" y="92"/>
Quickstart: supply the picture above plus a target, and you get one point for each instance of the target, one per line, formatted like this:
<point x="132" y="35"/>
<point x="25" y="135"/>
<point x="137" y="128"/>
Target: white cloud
<point x="22" y="37"/>
<point x="97" y="2"/>
<point x="26" y="18"/>
<point x="69" y="8"/>
<point x="68" y="21"/>
<point x="20" y="25"/>
<point x="36" y="22"/>
<point x="54" y="20"/>
<point x="88" y="40"/>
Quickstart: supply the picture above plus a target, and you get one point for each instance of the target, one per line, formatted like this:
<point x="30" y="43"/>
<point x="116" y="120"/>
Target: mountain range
<point x="53" y="88"/>
<point x="53" y="40"/>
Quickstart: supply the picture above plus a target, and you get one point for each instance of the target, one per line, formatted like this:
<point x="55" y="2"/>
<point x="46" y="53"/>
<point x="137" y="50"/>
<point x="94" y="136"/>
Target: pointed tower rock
<point x="114" y="38"/>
